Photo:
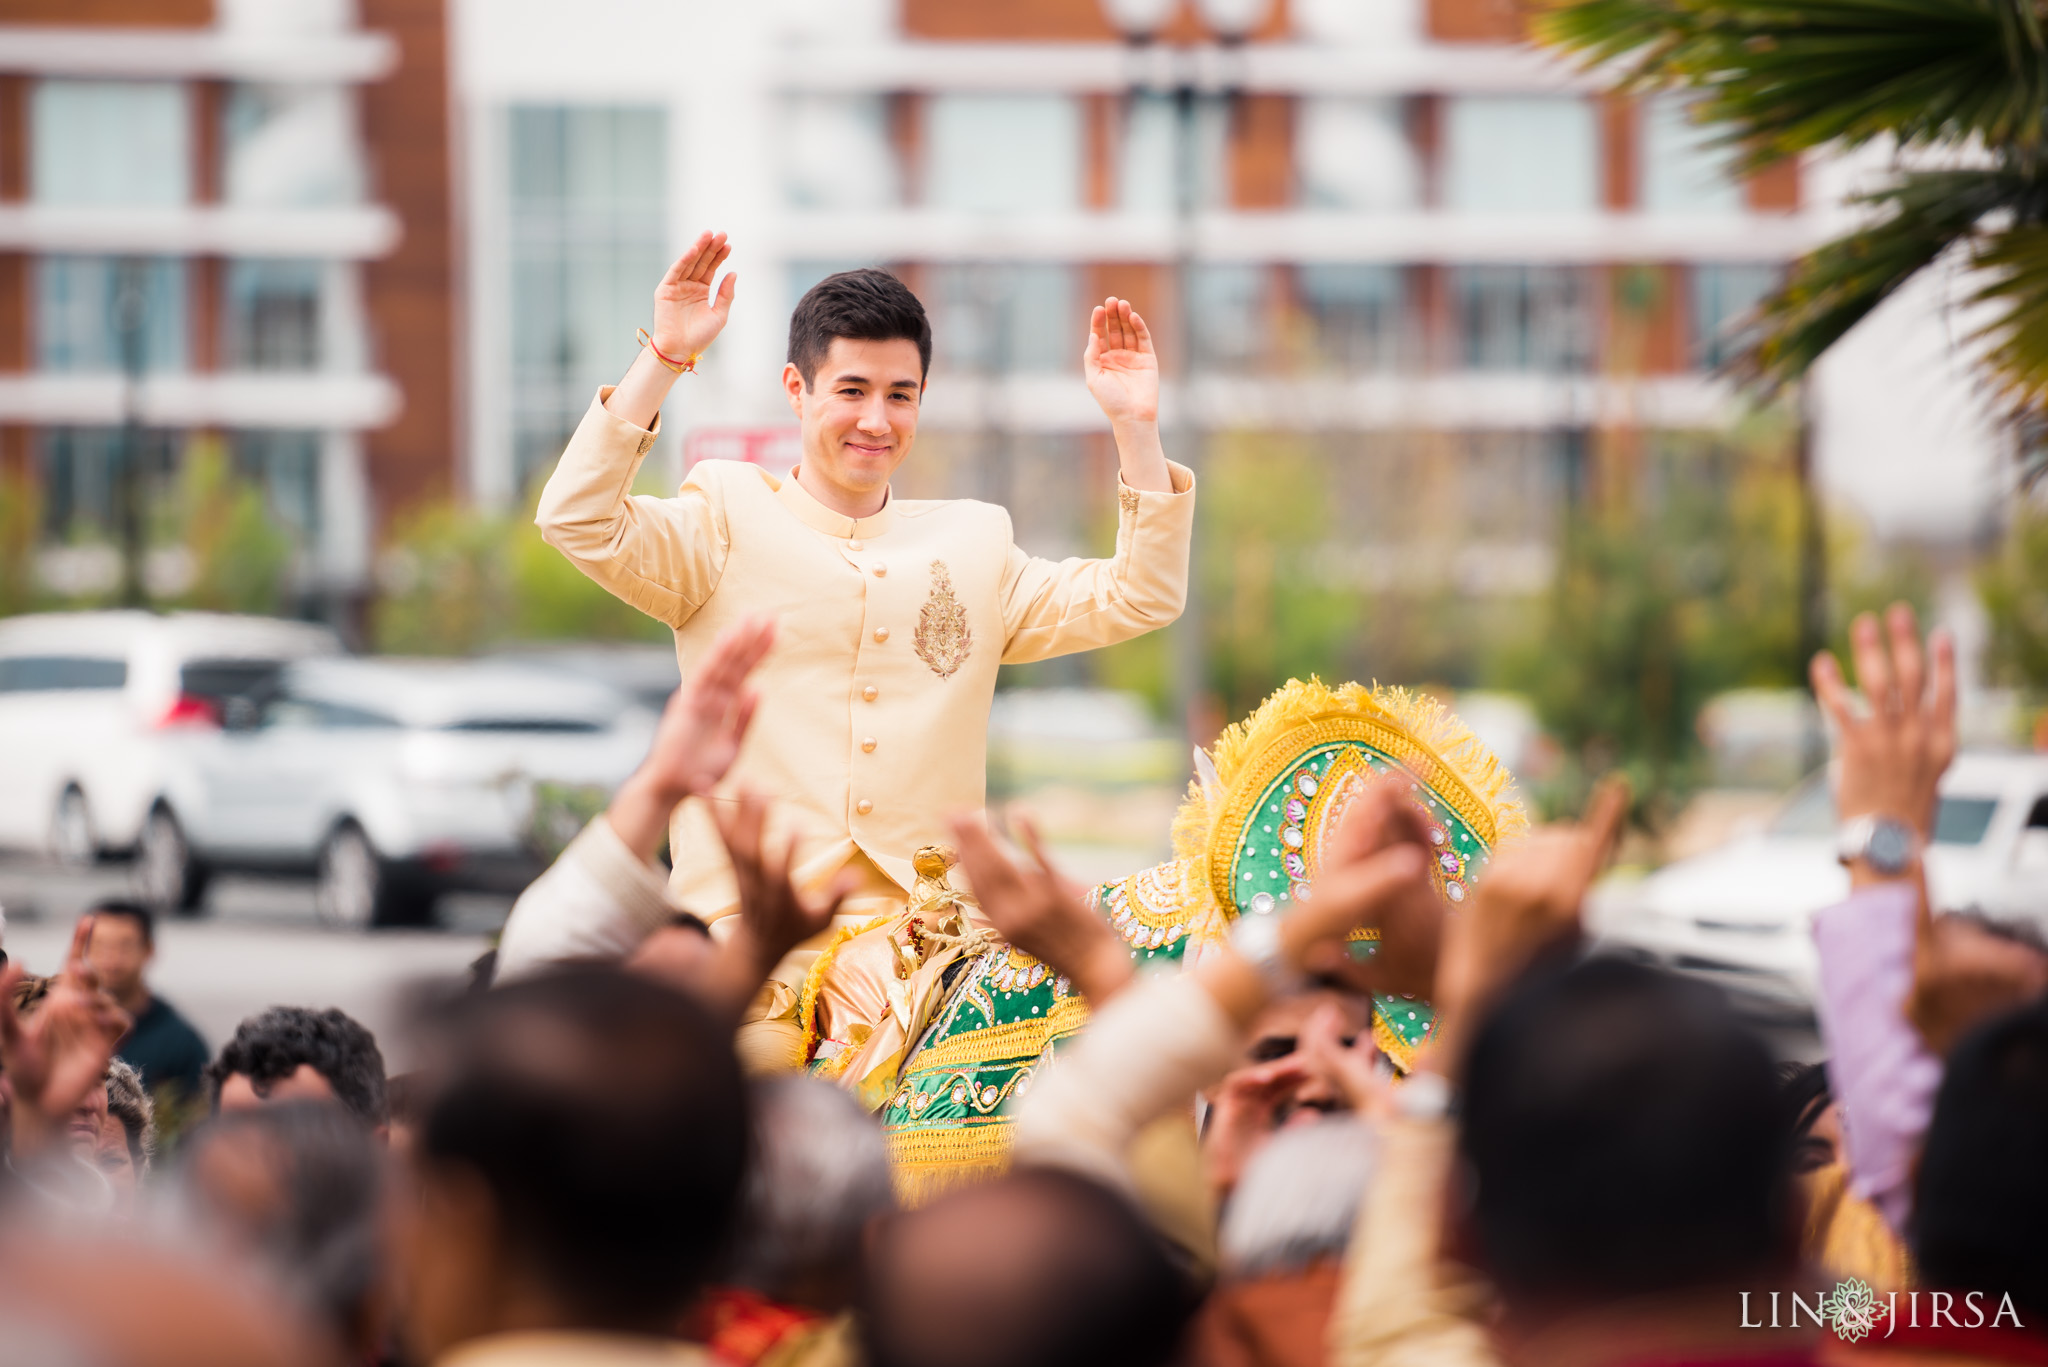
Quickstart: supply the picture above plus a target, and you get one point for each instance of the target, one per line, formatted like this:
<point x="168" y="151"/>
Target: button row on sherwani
<point x="881" y="633"/>
<point x="880" y="569"/>
<point x="856" y="545"/>
<point x="867" y="745"/>
<point x="870" y="693"/>
<point x="863" y="806"/>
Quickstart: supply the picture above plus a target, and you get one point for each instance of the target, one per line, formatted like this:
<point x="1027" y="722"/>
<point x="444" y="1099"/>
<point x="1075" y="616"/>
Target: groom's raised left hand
<point x="1121" y="367"/>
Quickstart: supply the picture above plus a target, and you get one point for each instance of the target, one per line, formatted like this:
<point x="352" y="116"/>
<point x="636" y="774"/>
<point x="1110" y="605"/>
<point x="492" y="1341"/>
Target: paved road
<point x="258" y="945"/>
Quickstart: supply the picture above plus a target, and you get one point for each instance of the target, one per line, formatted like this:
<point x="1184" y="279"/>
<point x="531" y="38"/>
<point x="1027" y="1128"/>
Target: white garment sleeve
<point x="1152" y="1047"/>
<point x="597" y="901"/>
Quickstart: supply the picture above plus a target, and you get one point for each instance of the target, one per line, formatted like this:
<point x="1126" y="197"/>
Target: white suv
<point x="391" y="781"/>
<point x="89" y="700"/>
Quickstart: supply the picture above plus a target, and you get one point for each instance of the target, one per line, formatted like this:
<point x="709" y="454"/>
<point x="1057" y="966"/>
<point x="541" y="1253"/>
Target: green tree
<point x="2014" y="589"/>
<point x="20" y="520"/>
<point x="1959" y="86"/>
<point x="456" y="580"/>
<point x="241" y="558"/>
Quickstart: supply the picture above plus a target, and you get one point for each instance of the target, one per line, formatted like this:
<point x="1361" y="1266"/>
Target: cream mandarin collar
<point x="818" y="517"/>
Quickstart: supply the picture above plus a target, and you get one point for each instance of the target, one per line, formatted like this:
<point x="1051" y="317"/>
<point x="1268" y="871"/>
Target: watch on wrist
<point x="1887" y="845"/>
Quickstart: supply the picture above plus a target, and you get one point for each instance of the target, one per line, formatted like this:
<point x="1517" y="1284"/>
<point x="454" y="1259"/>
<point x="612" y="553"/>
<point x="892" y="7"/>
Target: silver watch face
<point x="1890" y="847"/>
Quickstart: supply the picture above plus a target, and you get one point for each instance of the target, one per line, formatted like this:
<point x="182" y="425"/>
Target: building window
<point x="80" y="469"/>
<point x="1536" y="154"/>
<point x="272" y="317"/>
<point x="588" y="244"/>
<point x="1002" y="153"/>
<point x="1230" y="308"/>
<point x="1357" y="314"/>
<point x="995" y="319"/>
<point x="1355" y="154"/>
<point x="1149" y="165"/>
<point x="1523" y="318"/>
<point x="838" y="153"/>
<point x="285" y="465"/>
<point x="290" y="146"/>
<point x="110" y="142"/>
<point x="1684" y="172"/>
<point x="1724" y="300"/>
<point x="91" y="310"/>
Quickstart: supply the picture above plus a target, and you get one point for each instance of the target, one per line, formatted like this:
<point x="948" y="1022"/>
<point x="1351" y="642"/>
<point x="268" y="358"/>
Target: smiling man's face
<point x="859" y="418"/>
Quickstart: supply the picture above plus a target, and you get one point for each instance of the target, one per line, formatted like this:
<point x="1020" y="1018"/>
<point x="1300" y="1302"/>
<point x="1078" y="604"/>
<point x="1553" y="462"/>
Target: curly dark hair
<point x="269" y="1047"/>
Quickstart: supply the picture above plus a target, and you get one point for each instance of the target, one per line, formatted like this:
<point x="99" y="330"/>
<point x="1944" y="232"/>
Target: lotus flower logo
<point x="1852" y="1309"/>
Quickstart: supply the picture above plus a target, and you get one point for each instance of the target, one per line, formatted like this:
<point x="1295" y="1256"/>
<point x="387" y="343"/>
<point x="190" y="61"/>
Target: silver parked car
<point x="391" y="781"/>
<point x="1742" y="915"/>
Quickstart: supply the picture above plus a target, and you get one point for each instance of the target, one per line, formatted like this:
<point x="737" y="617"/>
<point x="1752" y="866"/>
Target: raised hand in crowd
<point x="688" y="315"/>
<point x="1122" y="371"/>
<point x="698" y="738"/>
<point x="1892" y="751"/>
<point x="1042" y="913"/>
<point x="52" y="1061"/>
<point x="774" y="916"/>
<point x="1354" y="889"/>
<point x="1964" y="973"/>
<point x="1530" y="899"/>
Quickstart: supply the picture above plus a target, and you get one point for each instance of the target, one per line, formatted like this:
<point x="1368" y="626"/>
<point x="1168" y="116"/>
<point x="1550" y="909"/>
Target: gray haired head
<point x="820" y="1175"/>
<point x="130" y="1104"/>
<point x="1298" y="1198"/>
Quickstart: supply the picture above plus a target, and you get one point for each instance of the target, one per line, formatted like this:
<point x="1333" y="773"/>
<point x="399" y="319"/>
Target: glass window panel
<point x="285" y="465"/>
<point x="1003" y="153"/>
<point x="110" y="142"/>
<point x="1683" y="171"/>
<point x="838" y="154"/>
<point x="994" y="318"/>
<point x="1231" y="309"/>
<point x="273" y="315"/>
<point x="1355" y="154"/>
<point x="1723" y="300"/>
<point x="588" y="242"/>
<point x="77" y="470"/>
<point x="87" y="307"/>
<point x="1358" y="313"/>
<point x="1533" y="154"/>
<point x="291" y="146"/>
<point x="1523" y="317"/>
<point x="1149" y="165"/>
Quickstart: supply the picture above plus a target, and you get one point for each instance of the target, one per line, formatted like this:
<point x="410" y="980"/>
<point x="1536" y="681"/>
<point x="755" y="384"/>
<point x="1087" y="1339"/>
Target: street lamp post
<point x="1141" y="22"/>
<point x="131" y="322"/>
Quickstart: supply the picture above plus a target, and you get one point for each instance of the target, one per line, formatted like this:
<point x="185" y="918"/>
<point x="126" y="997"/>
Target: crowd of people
<point x="1591" y="1161"/>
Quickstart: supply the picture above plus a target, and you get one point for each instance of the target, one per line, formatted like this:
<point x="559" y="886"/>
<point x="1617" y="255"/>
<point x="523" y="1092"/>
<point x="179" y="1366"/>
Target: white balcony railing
<point x="347" y="233"/>
<point x="196" y="54"/>
<point x="316" y="400"/>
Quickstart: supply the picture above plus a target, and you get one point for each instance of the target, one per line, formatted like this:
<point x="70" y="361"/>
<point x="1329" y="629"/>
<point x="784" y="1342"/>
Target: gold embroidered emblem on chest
<point x="943" y="637"/>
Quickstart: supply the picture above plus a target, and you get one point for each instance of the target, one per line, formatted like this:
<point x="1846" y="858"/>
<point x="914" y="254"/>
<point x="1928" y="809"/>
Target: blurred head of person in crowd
<point x="1982" y="1195"/>
<point x="1816" y="1120"/>
<point x="293" y="1190"/>
<point x="293" y="1053"/>
<point x="127" y="1142"/>
<point x="1292" y="1073"/>
<point x="578" y="1166"/>
<point x="819" y="1181"/>
<point x="161" y="1044"/>
<point x="1625" y="1141"/>
<point x="1039" y="1267"/>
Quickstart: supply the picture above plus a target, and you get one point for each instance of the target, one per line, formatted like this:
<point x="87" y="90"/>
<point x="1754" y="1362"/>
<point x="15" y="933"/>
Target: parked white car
<point x="90" y="700"/>
<point x="391" y="781"/>
<point x="1742" y="915"/>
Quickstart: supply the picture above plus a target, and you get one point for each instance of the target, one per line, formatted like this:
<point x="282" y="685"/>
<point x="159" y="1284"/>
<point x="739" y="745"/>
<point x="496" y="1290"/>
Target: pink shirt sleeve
<point x="1882" y="1076"/>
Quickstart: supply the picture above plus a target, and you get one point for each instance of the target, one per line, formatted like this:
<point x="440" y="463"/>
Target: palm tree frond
<point x="2016" y="260"/>
<point x="1785" y="76"/>
<point x="1836" y="286"/>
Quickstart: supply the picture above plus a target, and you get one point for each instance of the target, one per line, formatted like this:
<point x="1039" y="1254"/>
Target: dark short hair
<point x="1625" y="1135"/>
<point x="868" y="305"/>
<point x="269" y="1048"/>
<point x="1982" y="1197"/>
<point x="616" y="1163"/>
<point x="1102" y="1289"/>
<point x="144" y="920"/>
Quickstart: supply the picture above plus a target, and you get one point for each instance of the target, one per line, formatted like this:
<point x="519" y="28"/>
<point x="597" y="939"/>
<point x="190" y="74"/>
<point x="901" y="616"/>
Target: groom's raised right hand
<point x="687" y="315"/>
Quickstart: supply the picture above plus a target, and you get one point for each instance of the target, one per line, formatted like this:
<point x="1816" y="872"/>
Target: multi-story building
<point x="226" y="222"/>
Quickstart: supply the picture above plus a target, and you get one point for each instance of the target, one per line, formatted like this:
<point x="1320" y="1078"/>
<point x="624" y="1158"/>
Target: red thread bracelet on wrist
<point x="679" y="367"/>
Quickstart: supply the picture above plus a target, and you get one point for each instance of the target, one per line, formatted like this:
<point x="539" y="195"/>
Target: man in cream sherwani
<point x="892" y="614"/>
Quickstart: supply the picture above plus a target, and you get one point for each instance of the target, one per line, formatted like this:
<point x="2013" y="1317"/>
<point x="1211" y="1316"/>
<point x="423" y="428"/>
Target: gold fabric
<point x="892" y="630"/>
